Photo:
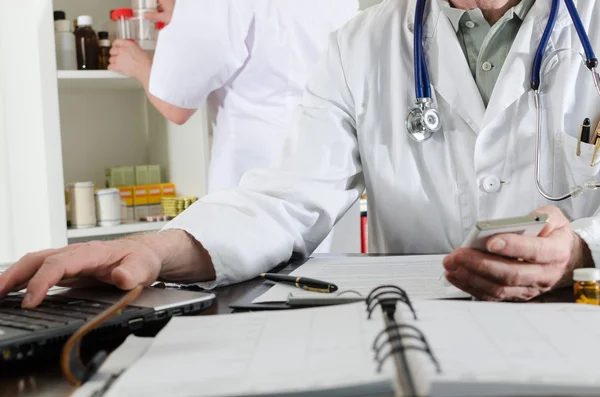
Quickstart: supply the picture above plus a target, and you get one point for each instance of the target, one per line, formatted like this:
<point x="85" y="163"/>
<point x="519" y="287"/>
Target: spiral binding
<point x="387" y="296"/>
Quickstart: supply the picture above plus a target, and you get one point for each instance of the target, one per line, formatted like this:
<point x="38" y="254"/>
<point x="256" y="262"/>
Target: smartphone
<point x="530" y="225"/>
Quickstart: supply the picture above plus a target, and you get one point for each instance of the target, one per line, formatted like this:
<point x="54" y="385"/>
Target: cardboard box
<point x="126" y="193"/>
<point x="140" y="195"/>
<point x="114" y="177"/>
<point x="154" y="175"/>
<point x="140" y="211"/>
<point x="167" y="190"/>
<point x="141" y="175"/>
<point x="128" y="176"/>
<point x="154" y="194"/>
<point x="154" y="210"/>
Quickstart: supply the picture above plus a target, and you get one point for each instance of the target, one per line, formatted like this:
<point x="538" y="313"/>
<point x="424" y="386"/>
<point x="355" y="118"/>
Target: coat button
<point x="491" y="184"/>
<point x="486" y="66"/>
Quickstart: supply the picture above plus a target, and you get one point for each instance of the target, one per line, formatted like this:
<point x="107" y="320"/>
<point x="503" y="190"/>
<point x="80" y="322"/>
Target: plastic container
<point x="587" y="288"/>
<point x="144" y="4"/>
<point x="104" y="48"/>
<point x="64" y="40"/>
<point x="144" y="31"/>
<point x="122" y="23"/>
<point x="108" y="207"/>
<point x="86" y="43"/>
<point x="82" y="207"/>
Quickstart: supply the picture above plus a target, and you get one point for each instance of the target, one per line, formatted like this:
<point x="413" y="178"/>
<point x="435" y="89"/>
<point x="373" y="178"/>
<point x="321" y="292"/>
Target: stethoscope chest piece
<point x="422" y="121"/>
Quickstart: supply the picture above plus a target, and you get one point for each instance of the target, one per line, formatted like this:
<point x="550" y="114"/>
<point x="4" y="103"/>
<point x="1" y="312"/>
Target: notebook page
<point x="261" y="353"/>
<point x="419" y="276"/>
<point x="491" y="349"/>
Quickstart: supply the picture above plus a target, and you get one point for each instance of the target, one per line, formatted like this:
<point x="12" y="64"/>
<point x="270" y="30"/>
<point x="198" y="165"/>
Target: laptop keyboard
<point x="53" y="312"/>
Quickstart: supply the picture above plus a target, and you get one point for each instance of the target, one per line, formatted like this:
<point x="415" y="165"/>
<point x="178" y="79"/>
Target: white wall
<point x="30" y="171"/>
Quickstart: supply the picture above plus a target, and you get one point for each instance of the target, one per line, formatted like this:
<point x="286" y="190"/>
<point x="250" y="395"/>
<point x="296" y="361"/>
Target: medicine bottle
<point x="587" y="288"/>
<point x="64" y="41"/>
<point x="87" y="44"/>
<point x="104" y="48"/>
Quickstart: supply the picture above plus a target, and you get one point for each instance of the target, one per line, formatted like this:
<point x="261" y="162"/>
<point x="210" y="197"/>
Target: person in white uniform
<point x="247" y="60"/>
<point x="423" y="196"/>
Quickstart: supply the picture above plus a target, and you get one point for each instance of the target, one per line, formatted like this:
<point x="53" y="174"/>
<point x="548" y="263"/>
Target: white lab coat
<point x="423" y="197"/>
<point x="251" y="59"/>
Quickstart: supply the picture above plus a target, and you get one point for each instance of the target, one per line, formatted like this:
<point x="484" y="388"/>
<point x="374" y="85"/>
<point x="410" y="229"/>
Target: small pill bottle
<point x="587" y="288"/>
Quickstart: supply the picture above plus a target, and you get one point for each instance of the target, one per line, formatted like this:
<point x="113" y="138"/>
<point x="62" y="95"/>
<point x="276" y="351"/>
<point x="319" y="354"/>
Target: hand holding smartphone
<point x="530" y="225"/>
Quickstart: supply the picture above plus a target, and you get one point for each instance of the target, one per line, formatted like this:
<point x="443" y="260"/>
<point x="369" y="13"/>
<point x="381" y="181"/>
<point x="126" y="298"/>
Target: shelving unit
<point x="125" y="228"/>
<point x="95" y="80"/>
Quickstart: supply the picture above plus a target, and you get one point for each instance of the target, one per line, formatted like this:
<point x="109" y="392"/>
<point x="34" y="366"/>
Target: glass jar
<point x="587" y="288"/>
<point x="122" y="21"/>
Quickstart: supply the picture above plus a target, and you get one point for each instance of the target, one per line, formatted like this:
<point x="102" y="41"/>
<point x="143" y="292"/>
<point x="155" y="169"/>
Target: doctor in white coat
<point x="423" y="197"/>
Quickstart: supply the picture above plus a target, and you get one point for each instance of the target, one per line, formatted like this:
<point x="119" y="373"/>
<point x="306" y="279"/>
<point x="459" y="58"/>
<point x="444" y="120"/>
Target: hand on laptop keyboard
<point x="124" y="263"/>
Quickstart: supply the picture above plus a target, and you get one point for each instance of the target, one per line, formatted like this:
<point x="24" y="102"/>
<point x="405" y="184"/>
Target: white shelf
<point x="126" y="228"/>
<point x="95" y="80"/>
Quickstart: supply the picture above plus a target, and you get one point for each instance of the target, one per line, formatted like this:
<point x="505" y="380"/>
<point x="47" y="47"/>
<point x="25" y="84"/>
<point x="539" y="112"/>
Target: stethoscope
<point x="424" y="120"/>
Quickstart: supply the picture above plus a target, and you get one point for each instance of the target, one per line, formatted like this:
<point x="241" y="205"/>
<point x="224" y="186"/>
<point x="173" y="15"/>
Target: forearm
<point x="173" y="113"/>
<point x="183" y="259"/>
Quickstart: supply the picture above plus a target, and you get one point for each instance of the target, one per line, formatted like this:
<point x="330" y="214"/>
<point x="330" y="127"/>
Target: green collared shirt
<point x="486" y="47"/>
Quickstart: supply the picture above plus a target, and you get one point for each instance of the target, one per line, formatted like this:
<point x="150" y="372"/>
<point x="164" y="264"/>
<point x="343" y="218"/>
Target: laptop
<point x="31" y="333"/>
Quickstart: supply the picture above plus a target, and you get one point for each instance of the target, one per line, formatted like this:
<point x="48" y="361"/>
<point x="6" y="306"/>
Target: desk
<point x="45" y="379"/>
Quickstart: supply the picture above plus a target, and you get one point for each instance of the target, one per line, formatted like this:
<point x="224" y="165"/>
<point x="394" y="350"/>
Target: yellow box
<point x="154" y="194"/>
<point x="168" y="190"/>
<point x="140" y="195"/>
<point x="126" y="193"/>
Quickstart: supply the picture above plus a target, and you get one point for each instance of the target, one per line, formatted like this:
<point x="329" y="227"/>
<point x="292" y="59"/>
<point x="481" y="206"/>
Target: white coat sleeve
<point x="291" y="206"/>
<point x="199" y="51"/>
<point x="589" y="231"/>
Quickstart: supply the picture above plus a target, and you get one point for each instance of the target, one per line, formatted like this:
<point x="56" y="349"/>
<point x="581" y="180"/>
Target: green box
<point x="154" y="175"/>
<point x="141" y="175"/>
<point x="114" y="177"/>
<point x="128" y="174"/>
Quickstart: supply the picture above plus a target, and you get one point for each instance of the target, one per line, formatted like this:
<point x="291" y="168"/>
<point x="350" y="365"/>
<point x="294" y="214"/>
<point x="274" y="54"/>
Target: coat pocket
<point x="581" y="166"/>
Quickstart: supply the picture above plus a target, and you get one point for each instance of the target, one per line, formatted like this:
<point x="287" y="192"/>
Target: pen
<point x="307" y="284"/>
<point x="584" y="134"/>
<point x="594" y="136"/>
<point x="597" y="143"/>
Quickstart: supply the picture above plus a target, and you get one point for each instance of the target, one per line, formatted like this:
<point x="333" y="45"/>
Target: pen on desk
<point x="584" y="134"/>
<point x="307" y="284"/>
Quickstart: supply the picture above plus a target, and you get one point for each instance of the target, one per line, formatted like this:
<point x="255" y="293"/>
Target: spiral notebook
<point x="384" y="346"/>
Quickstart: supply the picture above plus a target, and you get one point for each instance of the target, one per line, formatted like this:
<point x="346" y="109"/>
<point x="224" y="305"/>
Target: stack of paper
<point x="419" y="276"/>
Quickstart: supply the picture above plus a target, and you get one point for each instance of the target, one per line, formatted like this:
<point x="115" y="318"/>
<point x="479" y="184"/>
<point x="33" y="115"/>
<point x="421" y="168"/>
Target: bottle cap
<point x="84" y="20"/>
<point x="590" y="274"/>
<point x="62" y="25"/>
<point x="102" y="35"/>
<point x="125" y="13"/>
<point x="59" y="15"/>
